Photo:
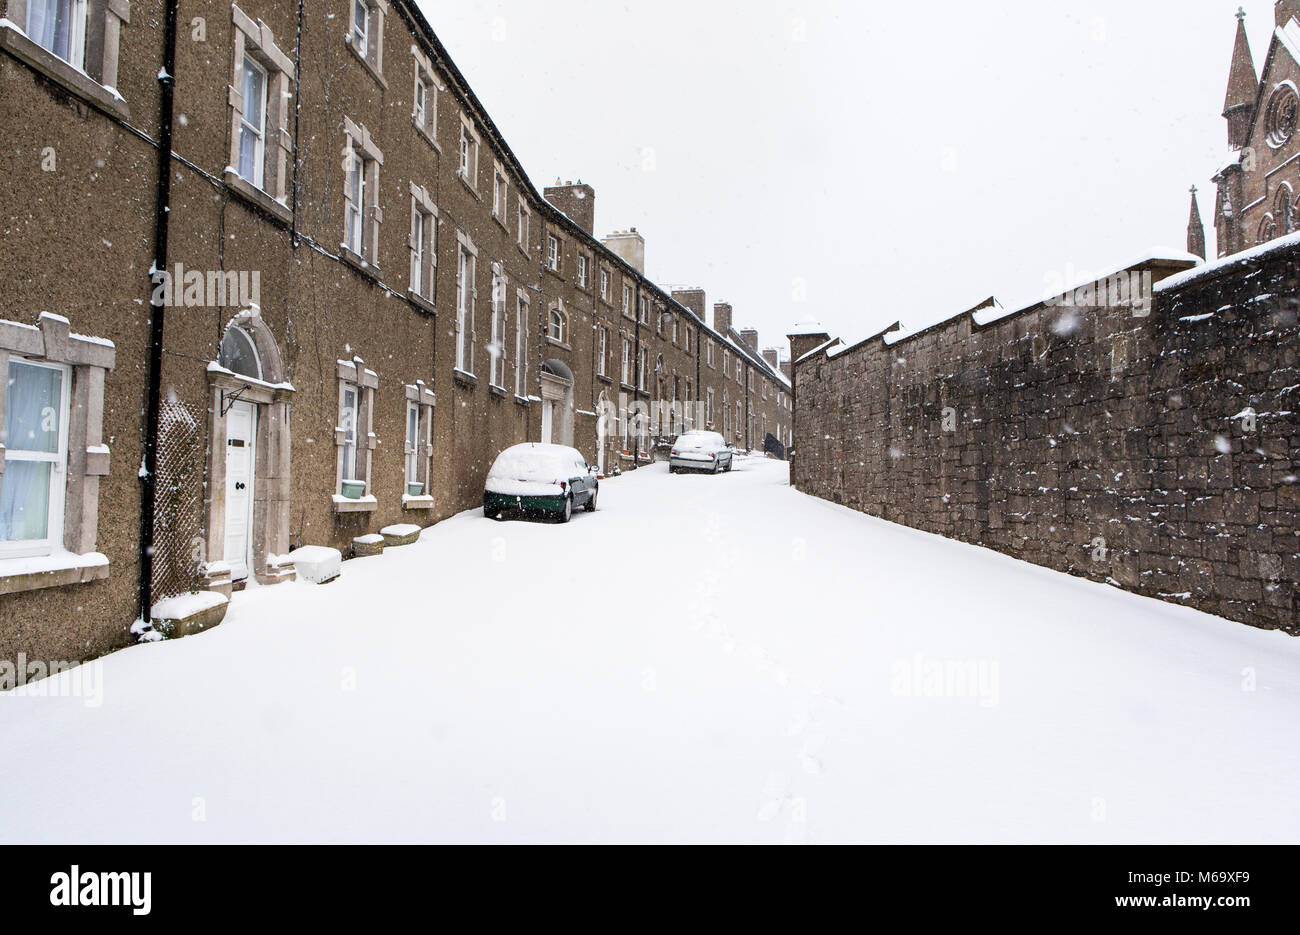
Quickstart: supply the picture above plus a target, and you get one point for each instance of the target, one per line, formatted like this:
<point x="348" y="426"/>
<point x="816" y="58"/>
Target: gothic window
<point x="1282" y="209"/>
<point x="1280" y="118"/>
<point x="1267" y="229"/>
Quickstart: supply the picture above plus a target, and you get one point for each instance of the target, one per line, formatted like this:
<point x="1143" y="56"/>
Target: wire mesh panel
<point x="178" y="513"/>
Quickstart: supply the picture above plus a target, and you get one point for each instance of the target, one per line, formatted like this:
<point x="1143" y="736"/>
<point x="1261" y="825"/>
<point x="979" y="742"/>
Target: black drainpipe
<point x="157" y="313"/>
<point x="297" y="109"/>
<point x="636" y="367"/>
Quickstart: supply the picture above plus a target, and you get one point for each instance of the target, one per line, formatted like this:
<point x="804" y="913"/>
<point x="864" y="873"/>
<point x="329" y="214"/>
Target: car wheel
<point x="730" y="461"/>
<point x="591" y="504"/>
<point x="672" y="469"/>
<point x="717" y="467"/>
<point x="568" y="510"/>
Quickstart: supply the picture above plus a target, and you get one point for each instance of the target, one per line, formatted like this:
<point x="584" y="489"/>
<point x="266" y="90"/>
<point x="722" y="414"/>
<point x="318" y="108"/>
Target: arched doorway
<point x="557" y="403"/>
<point x="248" y="466"/>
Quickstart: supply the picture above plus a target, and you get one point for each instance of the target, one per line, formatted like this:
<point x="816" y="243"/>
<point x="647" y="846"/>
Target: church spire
<point x="1243" y="88"/>
<point x="1195" y="229"/>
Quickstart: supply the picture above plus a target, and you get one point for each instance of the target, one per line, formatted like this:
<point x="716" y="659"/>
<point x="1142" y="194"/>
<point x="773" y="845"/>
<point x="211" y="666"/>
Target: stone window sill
<point x="374" y="72"/>
<point x="51" y="571"/>
<point x="467" y="380"/>
<point x="560" y="344"/>
<point x="366" y="504"/>
<point x="499" y="391"/>
<point x="417" y="503"/>
<point x="13" y="41"/>
<point x="257" y="198"/>
<point x="420" y="302"/>
<point x="361" y="265"/>
<point x="469" y="186"/>
<point x="521" y="400"/>
<point x="424" y="132"/>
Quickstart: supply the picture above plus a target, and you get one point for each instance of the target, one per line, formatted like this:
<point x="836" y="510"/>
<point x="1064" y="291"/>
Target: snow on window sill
<point x="17" y="43"/>
<point x="417" y="503"/>
<point x="366" y="504"/>
<point x="258" y="198"/>
<point x="51" y="571"/>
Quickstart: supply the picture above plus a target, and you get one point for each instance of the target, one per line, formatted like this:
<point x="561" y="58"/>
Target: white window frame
<point x="627" y="300"/>
<point x="627" y="362"/>
<point x="643" y="362"/>
<point x="500" y="193"/>
<point x="468" y="158"/>
<point x="500" y="286"/>
<point x="524" y="216"/>
<point x="258" y="132"/>
<point x="362" y="213"/>
<point x="584" y="270"/>
<point x="602" y="357"/>
<point x="58" y="459"/>
<point x="604" y="284"/>
<point x="557" y="325"/>
<point x="466" y="296"/>
<point x="423" y="244"/>
<point x="521" y="343"/>
<point x="356" y="379"/>
<point x="367" y="42"/>
<point x="553" y="253"/>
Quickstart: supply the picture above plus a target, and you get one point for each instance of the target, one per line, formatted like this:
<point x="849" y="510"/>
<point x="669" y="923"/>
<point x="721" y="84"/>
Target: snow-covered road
<point x="704" y="659"/>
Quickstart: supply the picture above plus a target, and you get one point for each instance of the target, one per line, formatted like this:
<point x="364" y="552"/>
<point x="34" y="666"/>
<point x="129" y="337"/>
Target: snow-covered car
<point x="699" y="450"/>
<point x="539" y="478"/>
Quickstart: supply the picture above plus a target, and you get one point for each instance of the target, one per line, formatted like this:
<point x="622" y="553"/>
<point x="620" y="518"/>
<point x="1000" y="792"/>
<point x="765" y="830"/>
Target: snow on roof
<point x="809" y="326"/>
<point x="1237" y="259"/>
<point x="819" y="348"/>
<point x="1289" y="37"/>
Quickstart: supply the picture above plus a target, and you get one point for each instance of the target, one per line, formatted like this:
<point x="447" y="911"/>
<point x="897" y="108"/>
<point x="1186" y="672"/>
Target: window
<point x="36" y="458"/>
<point x="688" y="340"/>
<point x="72" y="42"/>
<point x="583" y="275"/>
<point x="51" y="401"/>
<point x="424" y="243"/>
<point x="604" y="284"/>
<point x="521" y="344"/>
<point x="627" y="300"/>
<point x="361" y="27"/>
<point x="349" y="415"/>
<point x="641" y="377"/>
<point x="740" y="419"/>
<point x="659" y="321"/>
<point x="1281" y="115"/>
<point x="366" y="37"/>
<point x="360" y="193"/>
<point x="708" y="408"/>
<point x="59" y="26"/>
<point x="468" y="168"/>
<point x="676" y="331"/>
<point x="498" y="327"/>
<point x="260" y="102"/>
<point x="709" y="353"/>
<point x="602" y="353"/>
<point x="645" y="310"/>
<point x="252" y="124"/>
<point x="424" y="97"/>
<point x="553" y="253"/>
<point x="500" y="191"/>
<point x="354" y="436"/>
<point x="419" y="446"/>
<point x="726" y="364"/>
<point x="726" y="426"/>
<point x="627" y="362"/>
<point x="522" y="238"/>
<point x="467" y="259"/>
<point x="556" y="328"/>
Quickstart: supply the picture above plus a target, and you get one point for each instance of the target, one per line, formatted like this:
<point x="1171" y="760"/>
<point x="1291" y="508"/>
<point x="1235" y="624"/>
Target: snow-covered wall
<point x="1155" y="449"/>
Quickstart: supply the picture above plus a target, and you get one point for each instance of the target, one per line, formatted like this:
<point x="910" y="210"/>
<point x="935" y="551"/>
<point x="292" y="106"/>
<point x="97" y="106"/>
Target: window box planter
<point x="354" y="489"/>
<point x="415" y="490"/>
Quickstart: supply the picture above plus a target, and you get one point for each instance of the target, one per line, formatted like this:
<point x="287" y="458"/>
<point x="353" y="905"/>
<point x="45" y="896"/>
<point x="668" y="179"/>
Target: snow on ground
<point x="703" y="659"/>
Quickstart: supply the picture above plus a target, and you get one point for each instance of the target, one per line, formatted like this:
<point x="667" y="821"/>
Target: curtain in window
<point x="253" y="128"/>
<point x="47" y="24"/>
<point x="31" y="426"/>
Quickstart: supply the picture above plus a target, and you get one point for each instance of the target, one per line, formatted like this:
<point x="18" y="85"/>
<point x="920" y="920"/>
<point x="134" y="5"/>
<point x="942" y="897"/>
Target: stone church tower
<point x="1255" y="199"/>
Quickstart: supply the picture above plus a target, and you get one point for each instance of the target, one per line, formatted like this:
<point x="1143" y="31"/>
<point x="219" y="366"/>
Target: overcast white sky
<point x="904" y="160"/>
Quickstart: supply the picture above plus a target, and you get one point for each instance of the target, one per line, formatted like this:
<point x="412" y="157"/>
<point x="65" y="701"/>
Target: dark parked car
<point x="538" y="478"/>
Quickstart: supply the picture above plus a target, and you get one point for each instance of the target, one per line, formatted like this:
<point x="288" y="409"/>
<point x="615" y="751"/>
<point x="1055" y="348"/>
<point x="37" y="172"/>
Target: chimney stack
<point x="722" y="318"/>
<point x="773" y="358"/>
<point x="749" y="337"/>
<point x="577" y="201"/>
<point x="788" y="369"/>
<point x="630" y="246"/>
<point x="692" y="299"/>
<point x="1285" y="10"/>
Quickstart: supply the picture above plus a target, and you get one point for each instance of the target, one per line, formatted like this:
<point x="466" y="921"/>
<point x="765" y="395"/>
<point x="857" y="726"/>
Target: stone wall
<point x="1154" y="449"/>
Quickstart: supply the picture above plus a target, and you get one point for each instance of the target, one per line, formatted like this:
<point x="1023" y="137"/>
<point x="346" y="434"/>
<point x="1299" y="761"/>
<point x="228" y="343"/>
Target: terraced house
<point x="273" y="279"/>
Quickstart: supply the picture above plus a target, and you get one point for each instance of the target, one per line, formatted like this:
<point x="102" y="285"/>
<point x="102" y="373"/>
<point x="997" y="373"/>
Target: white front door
<point x="600" y="438"/>
<point x="241" y="469"/>
<point x="548" y="420"/>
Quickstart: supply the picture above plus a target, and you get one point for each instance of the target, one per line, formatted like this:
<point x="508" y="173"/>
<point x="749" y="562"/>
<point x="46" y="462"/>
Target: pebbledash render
<point x="365" y="301"/>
